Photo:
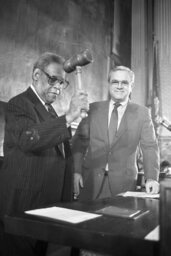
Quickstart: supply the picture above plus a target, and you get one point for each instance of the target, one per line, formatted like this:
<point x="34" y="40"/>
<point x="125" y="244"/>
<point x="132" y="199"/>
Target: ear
<point x="36" y="74"/>
<point x="132" y="86"/>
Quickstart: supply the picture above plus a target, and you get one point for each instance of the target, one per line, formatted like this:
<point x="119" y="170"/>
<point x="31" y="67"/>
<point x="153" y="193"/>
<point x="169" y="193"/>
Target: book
<point x="122" y="212"/>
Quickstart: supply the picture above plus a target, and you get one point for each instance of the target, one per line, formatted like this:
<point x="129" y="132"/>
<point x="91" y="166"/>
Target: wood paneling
<point x="139" y="51"/>
<point x="29" y="28"/>
<point x="162" y="11"/>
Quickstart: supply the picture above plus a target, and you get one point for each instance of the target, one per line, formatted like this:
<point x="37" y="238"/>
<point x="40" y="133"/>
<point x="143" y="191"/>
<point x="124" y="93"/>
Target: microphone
<point x="164" y="122"/>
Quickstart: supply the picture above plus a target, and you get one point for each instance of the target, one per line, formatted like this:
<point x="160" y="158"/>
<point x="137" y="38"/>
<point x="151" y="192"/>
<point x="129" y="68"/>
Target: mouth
<point x="119" y="91"/>
<point x="57" y="92"/>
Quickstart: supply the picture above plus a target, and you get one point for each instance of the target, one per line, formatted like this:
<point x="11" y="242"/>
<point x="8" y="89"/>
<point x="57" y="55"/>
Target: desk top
<point x="104" y="234"/>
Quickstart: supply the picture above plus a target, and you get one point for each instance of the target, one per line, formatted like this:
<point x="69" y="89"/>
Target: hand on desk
<point x="152" y="186"/>
<point x="78" y="182"/>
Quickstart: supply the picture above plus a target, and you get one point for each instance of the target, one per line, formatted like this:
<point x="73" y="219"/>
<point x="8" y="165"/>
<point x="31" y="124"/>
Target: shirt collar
<point x="34" y="90"/>
<point x="123" y="103"/>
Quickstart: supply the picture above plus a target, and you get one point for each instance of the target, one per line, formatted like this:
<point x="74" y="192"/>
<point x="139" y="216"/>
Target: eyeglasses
<point x="52" y="80"/>
<point x="117" y="83"/>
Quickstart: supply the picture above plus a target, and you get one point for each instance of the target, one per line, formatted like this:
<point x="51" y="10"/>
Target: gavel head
<point x="80" y="59"/>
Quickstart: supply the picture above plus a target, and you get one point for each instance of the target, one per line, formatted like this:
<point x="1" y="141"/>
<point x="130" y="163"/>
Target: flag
<point x="155" y="95"/>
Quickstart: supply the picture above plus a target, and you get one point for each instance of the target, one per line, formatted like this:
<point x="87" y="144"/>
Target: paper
<point x="63" y="214"/>
<point x="140" y="194"/>
<point x="153" y="235"/>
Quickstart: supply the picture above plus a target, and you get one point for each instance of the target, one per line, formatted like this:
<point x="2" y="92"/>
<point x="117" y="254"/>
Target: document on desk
<point x="139" y="194"/>
<point x="63" y="214"/>
<point x="153" y="235"/>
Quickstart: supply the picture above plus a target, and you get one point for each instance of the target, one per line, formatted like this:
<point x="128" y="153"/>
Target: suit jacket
<point x="92" y="152"/>
<point x="35" y="173"/>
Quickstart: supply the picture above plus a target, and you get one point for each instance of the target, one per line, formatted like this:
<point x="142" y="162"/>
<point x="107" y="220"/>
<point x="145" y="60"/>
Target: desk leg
<point x="75" y="251"/>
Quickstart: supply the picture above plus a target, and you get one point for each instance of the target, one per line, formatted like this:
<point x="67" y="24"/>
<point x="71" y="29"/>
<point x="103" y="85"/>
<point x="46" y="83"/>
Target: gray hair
<point x="46" y="59"/>
<point x="122" y="68"/>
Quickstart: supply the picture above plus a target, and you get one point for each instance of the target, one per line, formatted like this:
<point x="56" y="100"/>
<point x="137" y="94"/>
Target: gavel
<point x="74" y="64"/>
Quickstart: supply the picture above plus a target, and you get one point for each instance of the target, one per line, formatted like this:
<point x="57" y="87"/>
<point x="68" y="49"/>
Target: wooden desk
<point x="114" y="235"/>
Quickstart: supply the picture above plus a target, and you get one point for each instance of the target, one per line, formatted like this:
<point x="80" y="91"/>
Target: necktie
<point x="113" y="125"/>
<point x="51" y="110"/>
<point x="53" y="113"/>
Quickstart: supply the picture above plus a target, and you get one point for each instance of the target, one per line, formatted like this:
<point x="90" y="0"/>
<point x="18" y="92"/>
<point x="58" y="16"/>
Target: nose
<point x="120" y="85"/>
<point x="58" y="85"/>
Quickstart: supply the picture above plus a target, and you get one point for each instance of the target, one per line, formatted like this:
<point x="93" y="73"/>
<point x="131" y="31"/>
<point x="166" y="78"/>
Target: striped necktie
<point x="51" y="110"/>
<point x="113" y="125"/>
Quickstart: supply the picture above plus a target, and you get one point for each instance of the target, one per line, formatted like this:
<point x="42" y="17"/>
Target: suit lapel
<point x="39" y="108"/>
<point x="41" y="111"/>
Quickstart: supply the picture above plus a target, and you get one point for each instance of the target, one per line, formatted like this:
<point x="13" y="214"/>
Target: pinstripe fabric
<point x="34" y="174"/>
<point x="31" y="163"/>
<point x="54" y="114"/>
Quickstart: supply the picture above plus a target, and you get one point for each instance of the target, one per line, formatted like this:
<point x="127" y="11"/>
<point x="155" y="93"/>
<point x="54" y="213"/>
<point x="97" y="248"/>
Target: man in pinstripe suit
<point x="36" y="173"/>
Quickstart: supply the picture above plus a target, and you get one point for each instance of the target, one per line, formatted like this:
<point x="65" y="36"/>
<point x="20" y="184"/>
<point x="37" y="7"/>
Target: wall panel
<point x="139" y="51"/>
<point x="30" y="27"/>
<point x="162" y="28"/>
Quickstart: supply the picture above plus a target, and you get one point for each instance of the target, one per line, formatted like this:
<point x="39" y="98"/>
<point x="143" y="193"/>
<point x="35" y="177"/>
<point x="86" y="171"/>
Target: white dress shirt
<point x="34" y="90"/>
<point x="121" y="110"/>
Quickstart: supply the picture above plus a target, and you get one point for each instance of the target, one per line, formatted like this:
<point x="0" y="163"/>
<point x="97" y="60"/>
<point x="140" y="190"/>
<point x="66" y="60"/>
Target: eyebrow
<point x="122" y="81"/>
<point x="56" y="77"/>
<point x="53" y="76"/>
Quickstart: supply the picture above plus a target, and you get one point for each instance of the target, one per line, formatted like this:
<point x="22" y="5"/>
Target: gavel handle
<point x="79" y="86"/>
<point x="79" y="81"/>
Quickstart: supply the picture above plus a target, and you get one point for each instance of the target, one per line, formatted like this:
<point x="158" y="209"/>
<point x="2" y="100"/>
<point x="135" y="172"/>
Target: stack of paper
<point x="63" y="214"/>
<point x="140" y="194"/>
<point x="153" y="235"/>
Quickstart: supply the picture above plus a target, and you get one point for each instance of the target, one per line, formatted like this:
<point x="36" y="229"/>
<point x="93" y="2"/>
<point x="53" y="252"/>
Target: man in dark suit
<point x="106" y="143"/>
<point x="37" y="169"/>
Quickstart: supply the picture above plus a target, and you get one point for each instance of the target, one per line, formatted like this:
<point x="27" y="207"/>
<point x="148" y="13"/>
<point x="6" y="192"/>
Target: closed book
<point x="121" y="212"/>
